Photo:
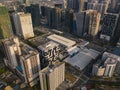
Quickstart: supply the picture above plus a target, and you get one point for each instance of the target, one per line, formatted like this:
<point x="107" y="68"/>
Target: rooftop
<point x="27" y="51"/>
<point x="62" y="40"/>
<point x="47" y="46"/>
<point x="110" y="55"/>
<point x="82" y="58"/>
<point x="49" y="69"/>
<point x="110" y="61"/>
<point x="11" y="41"/>
<point x="51" y="3"/>
<point x="116" y="51"/>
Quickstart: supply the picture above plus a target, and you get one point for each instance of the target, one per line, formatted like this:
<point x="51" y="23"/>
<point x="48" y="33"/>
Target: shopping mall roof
<point x="82" y="58"/>
<point x="62" y="40"/>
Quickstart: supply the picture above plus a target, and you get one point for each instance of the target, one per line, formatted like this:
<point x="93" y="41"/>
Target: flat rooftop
<point x="81" y="59"/>
<point x="47" y="46"/>
<point x="51" y="3"/>
<point x="49" y="69"/>
<point x="27" y="51"/>
<point x="110" y="55"/>
<point x="62" y="40"/>
<point x="110" y="61"/>
<point x="116" y="51"/>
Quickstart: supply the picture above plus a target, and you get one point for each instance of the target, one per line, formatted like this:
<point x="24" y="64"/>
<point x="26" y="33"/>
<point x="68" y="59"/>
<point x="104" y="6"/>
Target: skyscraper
<point x="94" y="22"/>
<point x="50" y="17"/>
<point x="109" y="24"/>
<point x="23" y="25"/>
<point x="54" y="17"/>
<point x="110" y="67"/>
<point x="76" y="5"/>
<point x="30" y="64"/>
<point x="23" y="60"/>
<point x="86" y="22"/>
<point x="99" y="7"/>
<point x="35" y="13"/>
<point x="5" y="24"/>
<point x="52" y="77"/>
<point x="67" y="20"/>
<point x="12" y="48"/>
<point x="80" y="23"/>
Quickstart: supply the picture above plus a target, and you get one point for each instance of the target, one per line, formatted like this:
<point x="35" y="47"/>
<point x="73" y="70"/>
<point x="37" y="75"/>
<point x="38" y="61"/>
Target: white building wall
<point x="26" y="26"/>
<point x="54" y="77"/>
<point x="100" y="71"/>
<point x="109" y="70"/>
<point x="12" y="58"/>
<point x="23" y="25"/>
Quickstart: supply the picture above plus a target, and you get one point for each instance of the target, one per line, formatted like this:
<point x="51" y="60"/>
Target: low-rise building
<point x="81" y="57"/>
<point x="62" y="40"/>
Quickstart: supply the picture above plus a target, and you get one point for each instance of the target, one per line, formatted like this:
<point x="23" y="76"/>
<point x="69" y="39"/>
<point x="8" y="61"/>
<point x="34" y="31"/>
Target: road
<point x="115" y="83"/>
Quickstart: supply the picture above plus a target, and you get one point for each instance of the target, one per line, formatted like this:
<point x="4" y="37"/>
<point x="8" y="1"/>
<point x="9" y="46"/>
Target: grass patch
<point x="2" y="70"/>
<point x="38" y="33"/>
<point x="30" y="43"/>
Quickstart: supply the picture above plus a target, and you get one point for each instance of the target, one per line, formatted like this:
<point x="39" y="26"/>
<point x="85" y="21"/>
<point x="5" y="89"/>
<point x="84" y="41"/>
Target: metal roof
<point x="83" y="58"/>
<point x="62" y="40"/>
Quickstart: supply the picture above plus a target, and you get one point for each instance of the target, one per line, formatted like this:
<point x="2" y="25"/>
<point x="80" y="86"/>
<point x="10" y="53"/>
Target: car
<point x="2" y="84"/>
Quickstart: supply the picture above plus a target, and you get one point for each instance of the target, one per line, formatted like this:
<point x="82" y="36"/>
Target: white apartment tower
<point x="23" y="60"/>
<point x="12" y="48"/>
<point x="110" y="67"/>
<point x="94" y="22"/>
<point x="52" y="77"/>
<point x="23" y="25"/>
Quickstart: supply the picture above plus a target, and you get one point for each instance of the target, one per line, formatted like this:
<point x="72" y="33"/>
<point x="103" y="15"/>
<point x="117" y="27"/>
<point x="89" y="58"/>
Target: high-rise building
<point x="54" y="3"/>
<point x="51" y="17"/>
<point x="52" y="77"/>
<point x="76" y="5"/>
<point x="23" y="25"/>
<point x="58" y="16"/>
<point x="5" y="24"/>
<point x="86" y="22"/>
<point x="12" y="48"/>
<point x="99" y="7"/>
<point x="27" y="2"/>
<point x="107" y="69"/>
<point x="112" y="6"/>
<point x="67" y="20"/>
<point x="109" y="24"/>
<point x="23" y="60"/>
<point x="34" y="9"/>
<point x="54" y="17"/>
<point x="80" y="23"/>
<point x="110" y="65"/>
<point x="114" y="57"/>
<point x="94" y="22"/>
<point x="30" y="64"/>
<point x="116" y="35"/>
